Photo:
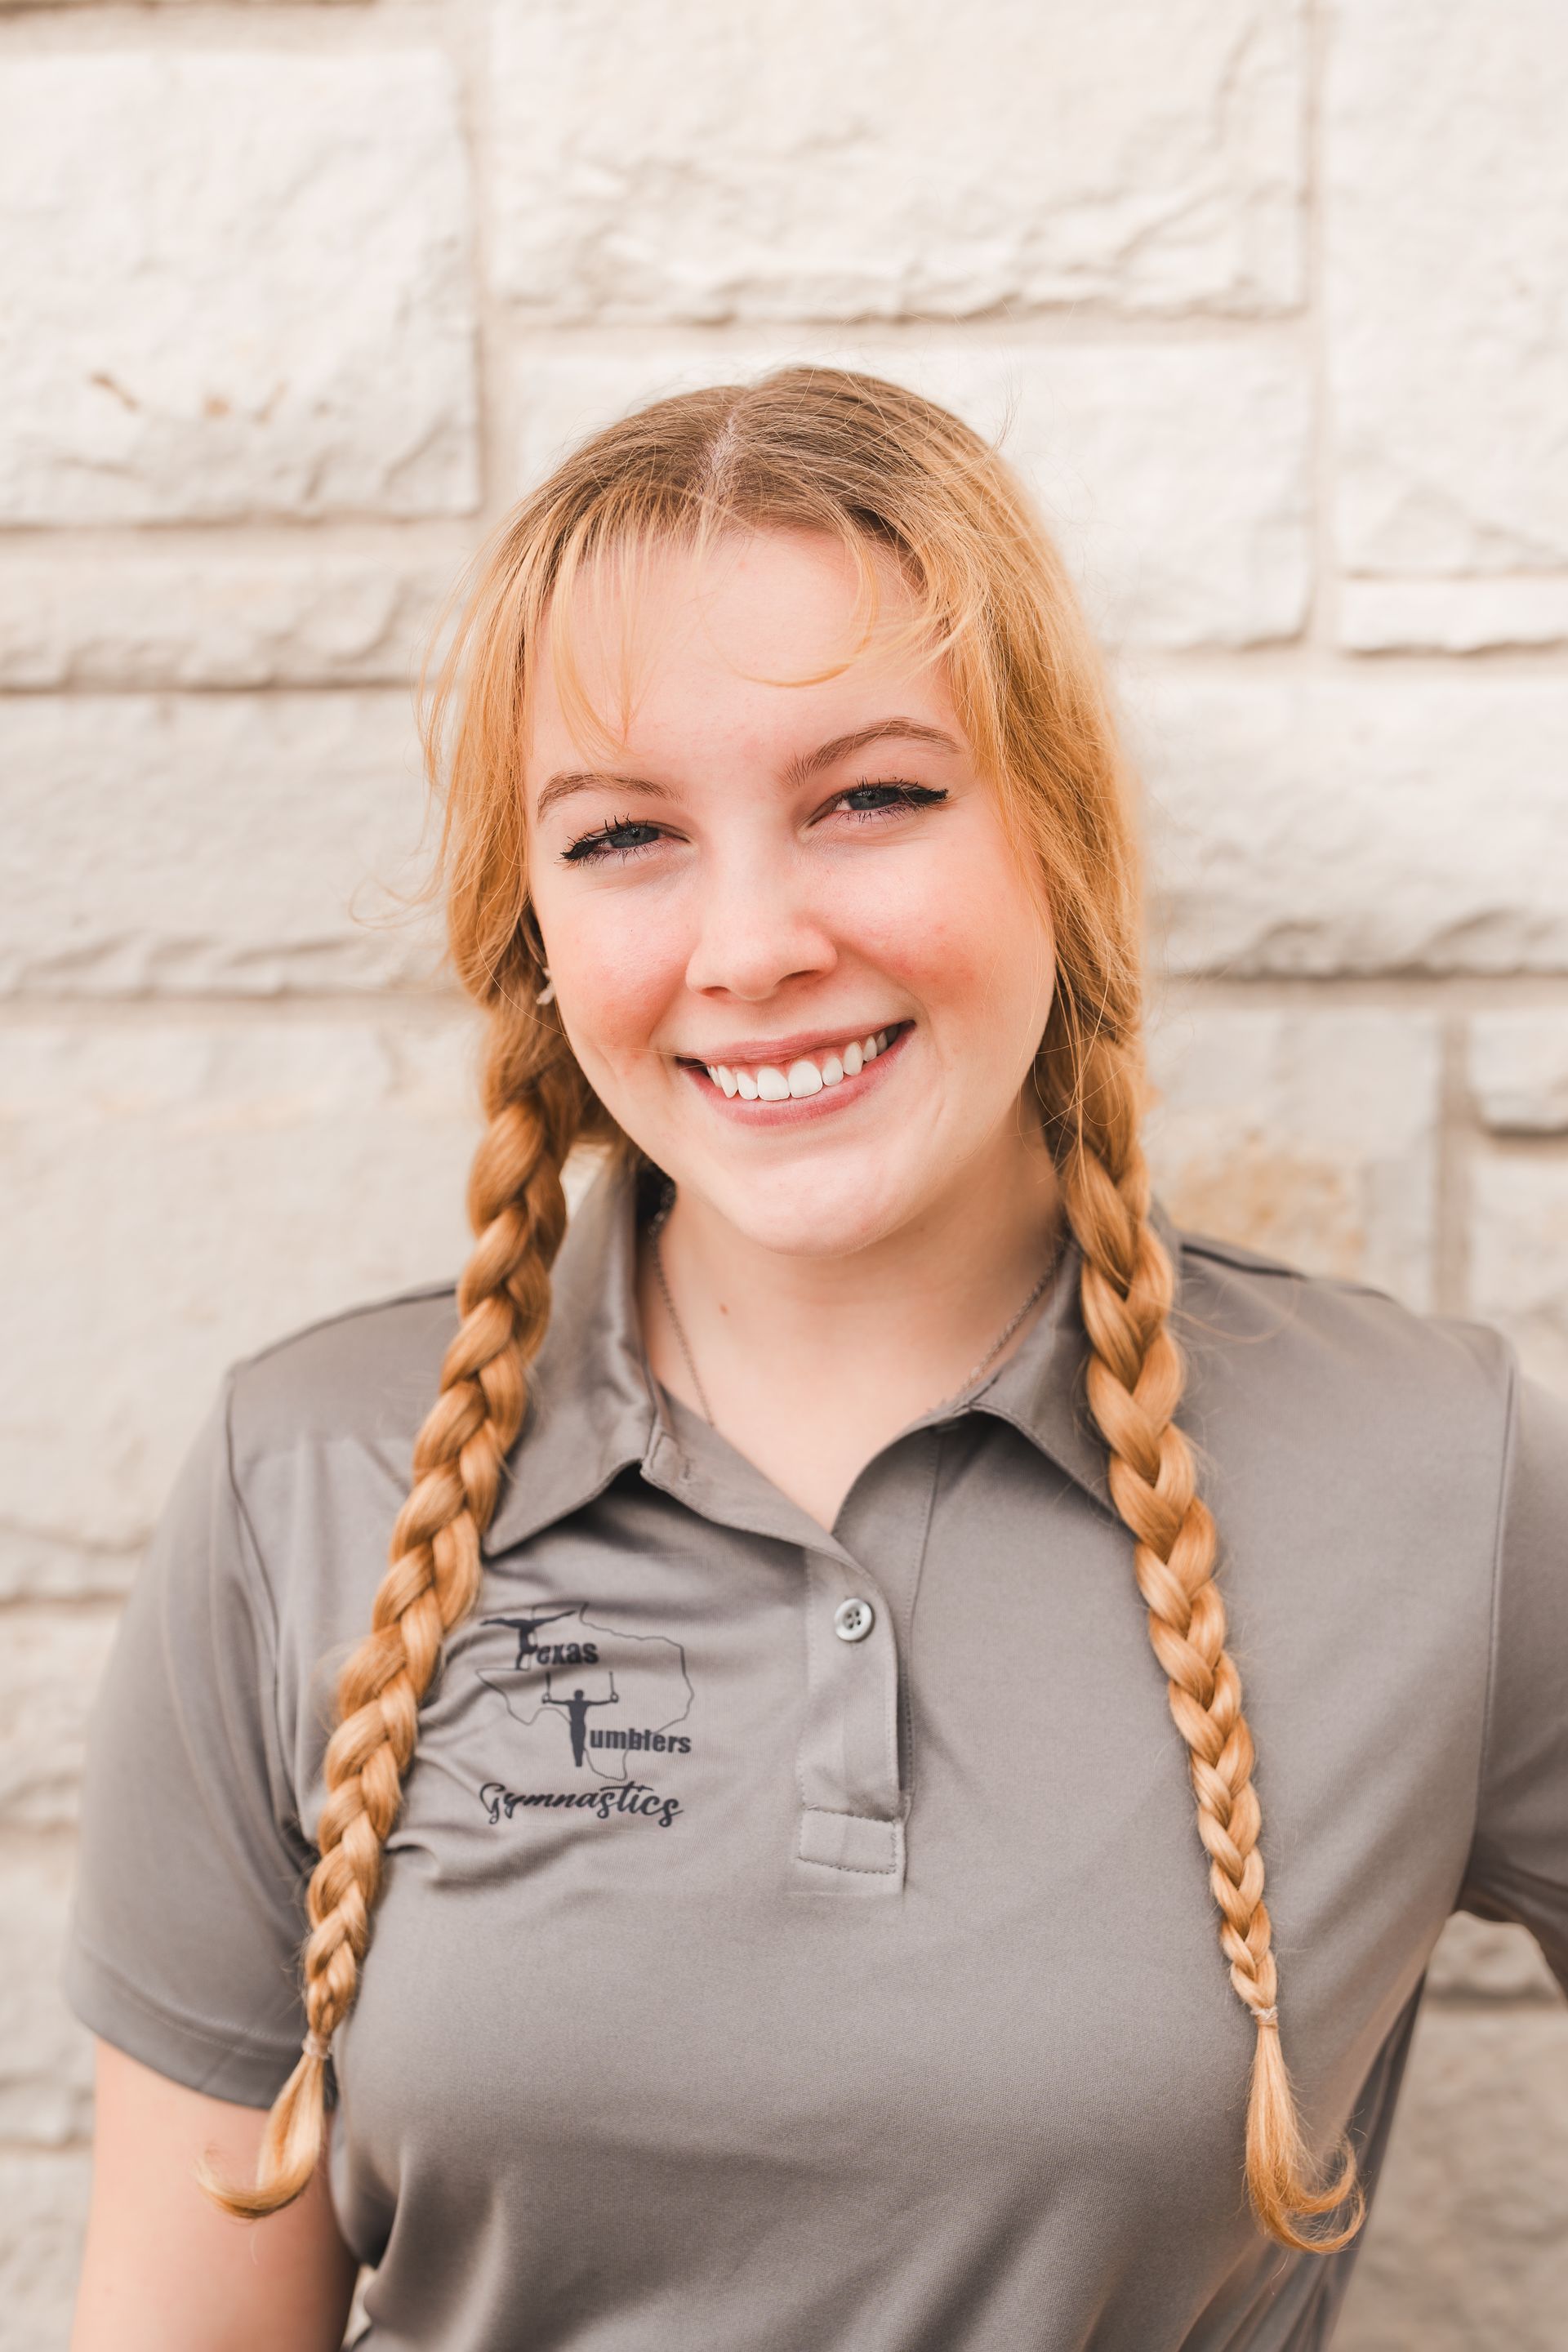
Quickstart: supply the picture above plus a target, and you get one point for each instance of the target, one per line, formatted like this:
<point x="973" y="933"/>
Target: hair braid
<point x="517" y="1212"/>
<point x="1134" y="1382"/>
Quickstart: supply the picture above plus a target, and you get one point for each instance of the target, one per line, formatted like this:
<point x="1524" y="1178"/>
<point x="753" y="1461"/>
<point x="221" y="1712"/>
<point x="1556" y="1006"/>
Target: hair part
<point x="885" y="473"/>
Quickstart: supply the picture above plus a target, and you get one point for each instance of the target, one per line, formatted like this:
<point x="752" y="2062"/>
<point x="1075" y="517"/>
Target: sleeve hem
<point x="223" y="2061"/>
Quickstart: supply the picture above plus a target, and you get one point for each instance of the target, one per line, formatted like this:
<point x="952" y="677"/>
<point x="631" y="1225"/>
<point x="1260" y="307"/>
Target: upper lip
<point x="780" y="1050"/>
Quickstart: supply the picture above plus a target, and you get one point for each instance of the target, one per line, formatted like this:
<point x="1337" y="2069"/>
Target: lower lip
<point x="802" y="1107"/>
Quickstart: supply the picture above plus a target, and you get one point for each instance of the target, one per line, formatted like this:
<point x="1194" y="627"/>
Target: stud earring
<point x="546" y="996"/>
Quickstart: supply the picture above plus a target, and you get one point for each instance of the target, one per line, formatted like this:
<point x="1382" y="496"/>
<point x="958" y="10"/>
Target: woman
<point x="752" y="1895"/>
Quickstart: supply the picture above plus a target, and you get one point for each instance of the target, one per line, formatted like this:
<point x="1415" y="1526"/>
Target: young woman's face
<point x="790" y="945"/>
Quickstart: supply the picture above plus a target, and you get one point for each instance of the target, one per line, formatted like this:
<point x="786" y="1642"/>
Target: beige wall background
<point x="295" y="300"/>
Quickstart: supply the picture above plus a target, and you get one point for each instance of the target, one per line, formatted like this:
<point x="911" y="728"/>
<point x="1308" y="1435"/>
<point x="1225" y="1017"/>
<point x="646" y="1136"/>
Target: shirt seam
<point x="903" y="1667"/>
<point x="1510" y="1428"/>
<point x="860" y="1869"/>
<point x="258" y="1576"/>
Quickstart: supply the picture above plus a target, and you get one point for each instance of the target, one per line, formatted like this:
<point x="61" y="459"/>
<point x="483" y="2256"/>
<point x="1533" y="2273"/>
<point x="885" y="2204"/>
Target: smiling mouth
<point x="805" y="1074"/>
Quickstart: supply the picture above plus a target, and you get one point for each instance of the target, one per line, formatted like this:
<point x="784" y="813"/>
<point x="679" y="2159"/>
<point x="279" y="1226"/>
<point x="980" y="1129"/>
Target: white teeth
<point x="803" y="1076"/>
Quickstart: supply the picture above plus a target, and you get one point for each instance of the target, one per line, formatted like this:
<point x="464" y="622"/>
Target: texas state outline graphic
<point x="636" y="1680"/>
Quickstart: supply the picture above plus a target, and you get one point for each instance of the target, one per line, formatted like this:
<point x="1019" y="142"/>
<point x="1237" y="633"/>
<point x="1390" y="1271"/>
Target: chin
<point x="815" y="1213"/>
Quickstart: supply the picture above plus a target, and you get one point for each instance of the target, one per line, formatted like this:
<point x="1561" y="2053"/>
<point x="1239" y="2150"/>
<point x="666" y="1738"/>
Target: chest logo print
<point x="589" y="1691"/>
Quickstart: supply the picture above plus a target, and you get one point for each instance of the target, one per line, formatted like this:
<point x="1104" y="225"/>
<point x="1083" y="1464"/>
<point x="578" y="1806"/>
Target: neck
<point x="814" y="1363"/>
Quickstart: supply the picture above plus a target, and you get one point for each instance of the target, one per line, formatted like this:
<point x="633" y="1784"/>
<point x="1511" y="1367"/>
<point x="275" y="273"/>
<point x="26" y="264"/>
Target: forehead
<point x="766" y="631"/>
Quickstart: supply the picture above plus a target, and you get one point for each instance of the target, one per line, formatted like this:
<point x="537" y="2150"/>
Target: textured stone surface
<point x="50" y="1568"/>
<point x="206" y="1189"/>
<point x="1447" y="253"/>
<point x="244" y="843"/>
<point x="1477" y="1960"/>
<point x="50" y="1660"/>
<point x="1467" y="2250"/>
<point x="45" y="2057"/>
<point x="1518" y="1070"/>
<point x="207" y="618"/>
<point x="1453" y="616"/>
<point x="1373" y="821"/>
<point x="43" y="2199"/>
<point x="241" y="462"/>
<point x="1518" y="1254"/>
<point x="1311" y="1136"/>
<point x="233" y="283"/>
<point x="1176" y="479"/>
<point x="895" y="164"/>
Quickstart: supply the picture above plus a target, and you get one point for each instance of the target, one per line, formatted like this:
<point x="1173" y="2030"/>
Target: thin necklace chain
<point x="679" y="1328"/>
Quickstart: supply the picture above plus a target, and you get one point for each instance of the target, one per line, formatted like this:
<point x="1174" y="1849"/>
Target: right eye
<point x="622" y="838"/>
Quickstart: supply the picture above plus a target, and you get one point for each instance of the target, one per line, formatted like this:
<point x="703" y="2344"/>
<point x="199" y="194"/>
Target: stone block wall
<point x="296" y="298"/>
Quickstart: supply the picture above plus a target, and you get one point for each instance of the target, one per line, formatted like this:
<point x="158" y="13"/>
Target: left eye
<point x="868" y="800"/>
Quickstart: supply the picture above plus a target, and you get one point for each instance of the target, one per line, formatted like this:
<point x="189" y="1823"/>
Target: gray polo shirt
<point x="740" y="1984"/>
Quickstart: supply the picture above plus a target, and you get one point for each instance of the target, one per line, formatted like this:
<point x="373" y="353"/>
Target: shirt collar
<point x="594" y="1411"/>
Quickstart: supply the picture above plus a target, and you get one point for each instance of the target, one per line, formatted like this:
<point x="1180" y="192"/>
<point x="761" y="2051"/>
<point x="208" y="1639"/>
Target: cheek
<point x="962" y="934"/>
<point x="618" y="963"/>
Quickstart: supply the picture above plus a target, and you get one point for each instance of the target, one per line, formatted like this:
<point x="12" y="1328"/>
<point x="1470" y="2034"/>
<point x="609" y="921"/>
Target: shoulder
<point x="368" y="1374"/>
<point x="1337" y="1357"/>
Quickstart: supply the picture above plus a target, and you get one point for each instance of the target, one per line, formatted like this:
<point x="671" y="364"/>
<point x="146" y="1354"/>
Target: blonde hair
<point x="885" y="472"/>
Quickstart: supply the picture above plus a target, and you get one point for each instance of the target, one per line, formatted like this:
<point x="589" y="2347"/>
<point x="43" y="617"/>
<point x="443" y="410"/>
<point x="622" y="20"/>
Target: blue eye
<point x="865" y="800"/>
<point x="622" y="838"/>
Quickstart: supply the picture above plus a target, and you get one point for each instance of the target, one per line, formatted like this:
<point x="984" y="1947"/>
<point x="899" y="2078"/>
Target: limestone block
<point x="177" y="1195"/>
<point x="1518" y="1070"/>
<point x="1446" y="254"/>
<point x="233" y="283"/>
<point x="1477" y="1960"/>
<point x="1311" y="1136"/>
<point x="1452" y="616"/>
<point x="919" y="161"/>
<point x="45" y="2057"/>
<point x="1304" y="822"/>
<point x="203" y="619"/>
<point x="30" y="7"/>
<point x="251" y="845"/>
<point x="51" y="1568"/>
<point x="44" y="2198"/>
<point x="1518" y="1254"/>
<point x="1468" y="2242"/>
<point x="1176" y="476"/>
<point x="50" y="1661"/>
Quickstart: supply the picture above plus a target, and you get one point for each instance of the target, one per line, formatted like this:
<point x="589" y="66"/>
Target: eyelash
<point x="591" y="848"/>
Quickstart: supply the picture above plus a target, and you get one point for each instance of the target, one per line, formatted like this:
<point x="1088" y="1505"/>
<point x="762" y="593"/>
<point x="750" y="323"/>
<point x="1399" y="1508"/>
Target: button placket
<point x="852" y="1807"/>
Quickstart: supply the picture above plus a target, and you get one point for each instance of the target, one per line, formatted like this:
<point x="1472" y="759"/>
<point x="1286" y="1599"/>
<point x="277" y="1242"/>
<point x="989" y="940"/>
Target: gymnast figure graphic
<point x="576" y="1709"/>
<point x="526" y="1629"/>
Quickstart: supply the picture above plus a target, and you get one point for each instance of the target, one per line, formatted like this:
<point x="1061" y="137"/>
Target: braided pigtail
<point x="518" y="1210"/>
<point x="1135" y="1379"/>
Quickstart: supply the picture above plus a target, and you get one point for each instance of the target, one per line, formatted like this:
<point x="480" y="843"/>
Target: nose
<point x="756" y="931"/>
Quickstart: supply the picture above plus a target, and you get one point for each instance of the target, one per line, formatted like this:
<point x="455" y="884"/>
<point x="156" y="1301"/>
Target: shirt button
<point x="853" y="1620"/>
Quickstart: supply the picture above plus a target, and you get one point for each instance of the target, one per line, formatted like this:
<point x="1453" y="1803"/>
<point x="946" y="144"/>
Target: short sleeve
<point x="189" y="1908"/>
<point x="1517" y="1868"/>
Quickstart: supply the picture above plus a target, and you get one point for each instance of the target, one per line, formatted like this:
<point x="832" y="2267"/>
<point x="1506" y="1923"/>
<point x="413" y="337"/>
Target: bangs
<point x="597" y="615"/>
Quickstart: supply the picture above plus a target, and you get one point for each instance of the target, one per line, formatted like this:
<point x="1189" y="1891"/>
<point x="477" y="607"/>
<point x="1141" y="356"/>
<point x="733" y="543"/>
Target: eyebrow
<point x="804" y="765"/>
